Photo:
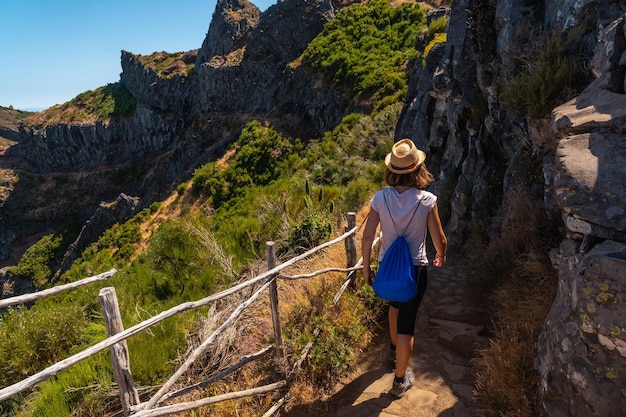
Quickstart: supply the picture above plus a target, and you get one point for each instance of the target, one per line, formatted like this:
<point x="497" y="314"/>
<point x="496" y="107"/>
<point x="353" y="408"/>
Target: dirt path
<point x="450" y="323"/>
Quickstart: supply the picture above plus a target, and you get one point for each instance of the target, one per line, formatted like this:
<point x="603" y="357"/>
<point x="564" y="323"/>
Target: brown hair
<point x="420" y="178"/>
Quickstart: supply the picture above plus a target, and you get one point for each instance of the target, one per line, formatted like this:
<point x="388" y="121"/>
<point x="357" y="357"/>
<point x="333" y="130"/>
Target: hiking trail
<point x="450" y="325"/>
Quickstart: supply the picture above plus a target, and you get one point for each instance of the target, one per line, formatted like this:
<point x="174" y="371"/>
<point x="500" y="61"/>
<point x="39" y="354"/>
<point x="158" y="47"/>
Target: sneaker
<point x="398" y="389"/>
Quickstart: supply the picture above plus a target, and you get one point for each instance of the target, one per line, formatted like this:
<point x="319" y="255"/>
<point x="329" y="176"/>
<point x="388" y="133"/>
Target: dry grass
<point x="254" y="331"/>
<point x="523" y="285"/>
<point x="168" y="65"/>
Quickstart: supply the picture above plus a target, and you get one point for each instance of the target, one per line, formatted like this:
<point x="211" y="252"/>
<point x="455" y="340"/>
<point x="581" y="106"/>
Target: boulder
<point x="590" y="173"/>
<point x="582" y="347"/>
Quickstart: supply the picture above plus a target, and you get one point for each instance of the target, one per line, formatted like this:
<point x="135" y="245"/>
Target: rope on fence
<point x="358" y="265"/>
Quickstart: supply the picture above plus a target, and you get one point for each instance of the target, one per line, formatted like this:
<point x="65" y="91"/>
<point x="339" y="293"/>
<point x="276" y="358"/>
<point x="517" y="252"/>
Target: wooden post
<point x="119" y="352"/>
<point x="350" y="244"/>
<point x="273" y="289"/>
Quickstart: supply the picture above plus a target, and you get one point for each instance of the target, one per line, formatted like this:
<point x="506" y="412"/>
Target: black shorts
<point x="407" y="314"/>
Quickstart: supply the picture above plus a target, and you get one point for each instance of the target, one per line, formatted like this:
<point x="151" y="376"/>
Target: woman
<point x="404" y="205"/>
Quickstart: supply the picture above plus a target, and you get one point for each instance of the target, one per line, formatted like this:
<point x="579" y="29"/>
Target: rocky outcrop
<point x="64" y="147"/>
<point x="107" y="215"/>
<point x="582" y="348"/>
<point x="152" y="91"/>
<point x="166" y="106"/>
<point x="231" y="23"/>
<point x="286" y="28"/>
<point x="262" y="83"/>
<point x="163" y="133"/>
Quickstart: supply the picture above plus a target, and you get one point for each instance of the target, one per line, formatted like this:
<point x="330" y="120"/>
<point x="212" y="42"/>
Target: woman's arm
<point x="439" y="238"/>
<point x="366" y="244"/>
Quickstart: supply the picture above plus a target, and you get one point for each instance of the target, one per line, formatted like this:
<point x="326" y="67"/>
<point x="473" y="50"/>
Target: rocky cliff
<point x="455" y="110"/>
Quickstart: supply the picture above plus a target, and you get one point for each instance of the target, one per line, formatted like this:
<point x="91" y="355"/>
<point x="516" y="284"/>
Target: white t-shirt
<point x="401" y="207"/>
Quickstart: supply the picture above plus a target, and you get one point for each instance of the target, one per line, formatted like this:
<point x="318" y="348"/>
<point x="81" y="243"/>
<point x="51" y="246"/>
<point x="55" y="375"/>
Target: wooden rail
<point x="27" y="298"/>
<point x="117" y="336"/>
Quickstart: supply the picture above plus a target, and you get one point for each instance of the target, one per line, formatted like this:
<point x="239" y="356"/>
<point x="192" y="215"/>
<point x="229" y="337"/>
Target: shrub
<point x="112" y="101"/>
<point x="170" y="64"/>
<point x="33" y="339"/>
<point x="438" y="25"/>
<point x="259" y="154"/>
<point x="342" y="331"/>
<point x="38" y="261"/>
<point x="368" y="48"/>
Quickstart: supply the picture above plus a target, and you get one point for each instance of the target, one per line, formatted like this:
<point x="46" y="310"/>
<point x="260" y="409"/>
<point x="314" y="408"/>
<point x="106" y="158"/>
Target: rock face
<point x="230" y="26"/>
<point x="286" y="29"/>
<point x="85" y="147"/>
<point x="473" y="144"/>
<point x="108" y="214"/>
<point x="582" y="348"/>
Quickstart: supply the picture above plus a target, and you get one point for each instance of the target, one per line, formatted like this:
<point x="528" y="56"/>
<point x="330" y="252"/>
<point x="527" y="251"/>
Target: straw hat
<point x="404" y="157"/>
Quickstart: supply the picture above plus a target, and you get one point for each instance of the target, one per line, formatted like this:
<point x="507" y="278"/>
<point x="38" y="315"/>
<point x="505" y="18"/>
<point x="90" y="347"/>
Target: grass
<point x="104" y="104"/>
<point x="522" y="284"/>
<point x="507" y="383"/>
<point x="168" y="65"/>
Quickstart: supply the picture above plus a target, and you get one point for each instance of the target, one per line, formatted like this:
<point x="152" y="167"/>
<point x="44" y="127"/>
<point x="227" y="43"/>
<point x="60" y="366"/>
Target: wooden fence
<point x="117" y="335"/>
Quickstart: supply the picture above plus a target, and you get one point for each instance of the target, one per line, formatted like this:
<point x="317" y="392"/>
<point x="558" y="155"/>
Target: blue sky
<point x="53" y="50"/>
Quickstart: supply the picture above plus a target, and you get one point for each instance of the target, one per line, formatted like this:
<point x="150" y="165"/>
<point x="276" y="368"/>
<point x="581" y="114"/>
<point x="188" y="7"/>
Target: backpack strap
<point x="391" y="215"/>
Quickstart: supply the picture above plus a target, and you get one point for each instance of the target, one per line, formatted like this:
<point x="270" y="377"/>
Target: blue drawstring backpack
<point x="395" y="279"/>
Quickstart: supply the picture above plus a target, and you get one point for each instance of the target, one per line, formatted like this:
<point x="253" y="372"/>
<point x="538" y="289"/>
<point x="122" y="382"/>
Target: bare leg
<point x="404" y="348"/>
<point x="393" y="325"/>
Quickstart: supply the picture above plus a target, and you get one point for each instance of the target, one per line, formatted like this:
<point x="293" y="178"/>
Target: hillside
<point x="9" y="122"/>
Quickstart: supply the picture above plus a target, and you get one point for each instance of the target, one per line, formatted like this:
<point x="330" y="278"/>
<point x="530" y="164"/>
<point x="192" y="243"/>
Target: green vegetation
<point x="369" y="48"/>
<point x="168" y="65"/>
<point x="111" y="102"/>
<point x="41" y="260"/>
<point x="437" y="38"/>
<point x="341" y="327"/>
<point x="37" y="336"/>
<point x="260" y="152"/>
<point x="36" y="261"/>
<point x="548" y="76"/>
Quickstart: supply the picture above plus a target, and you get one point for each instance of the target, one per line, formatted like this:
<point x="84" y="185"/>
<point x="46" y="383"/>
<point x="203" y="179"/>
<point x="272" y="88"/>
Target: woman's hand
<point x="439" y="260"/>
